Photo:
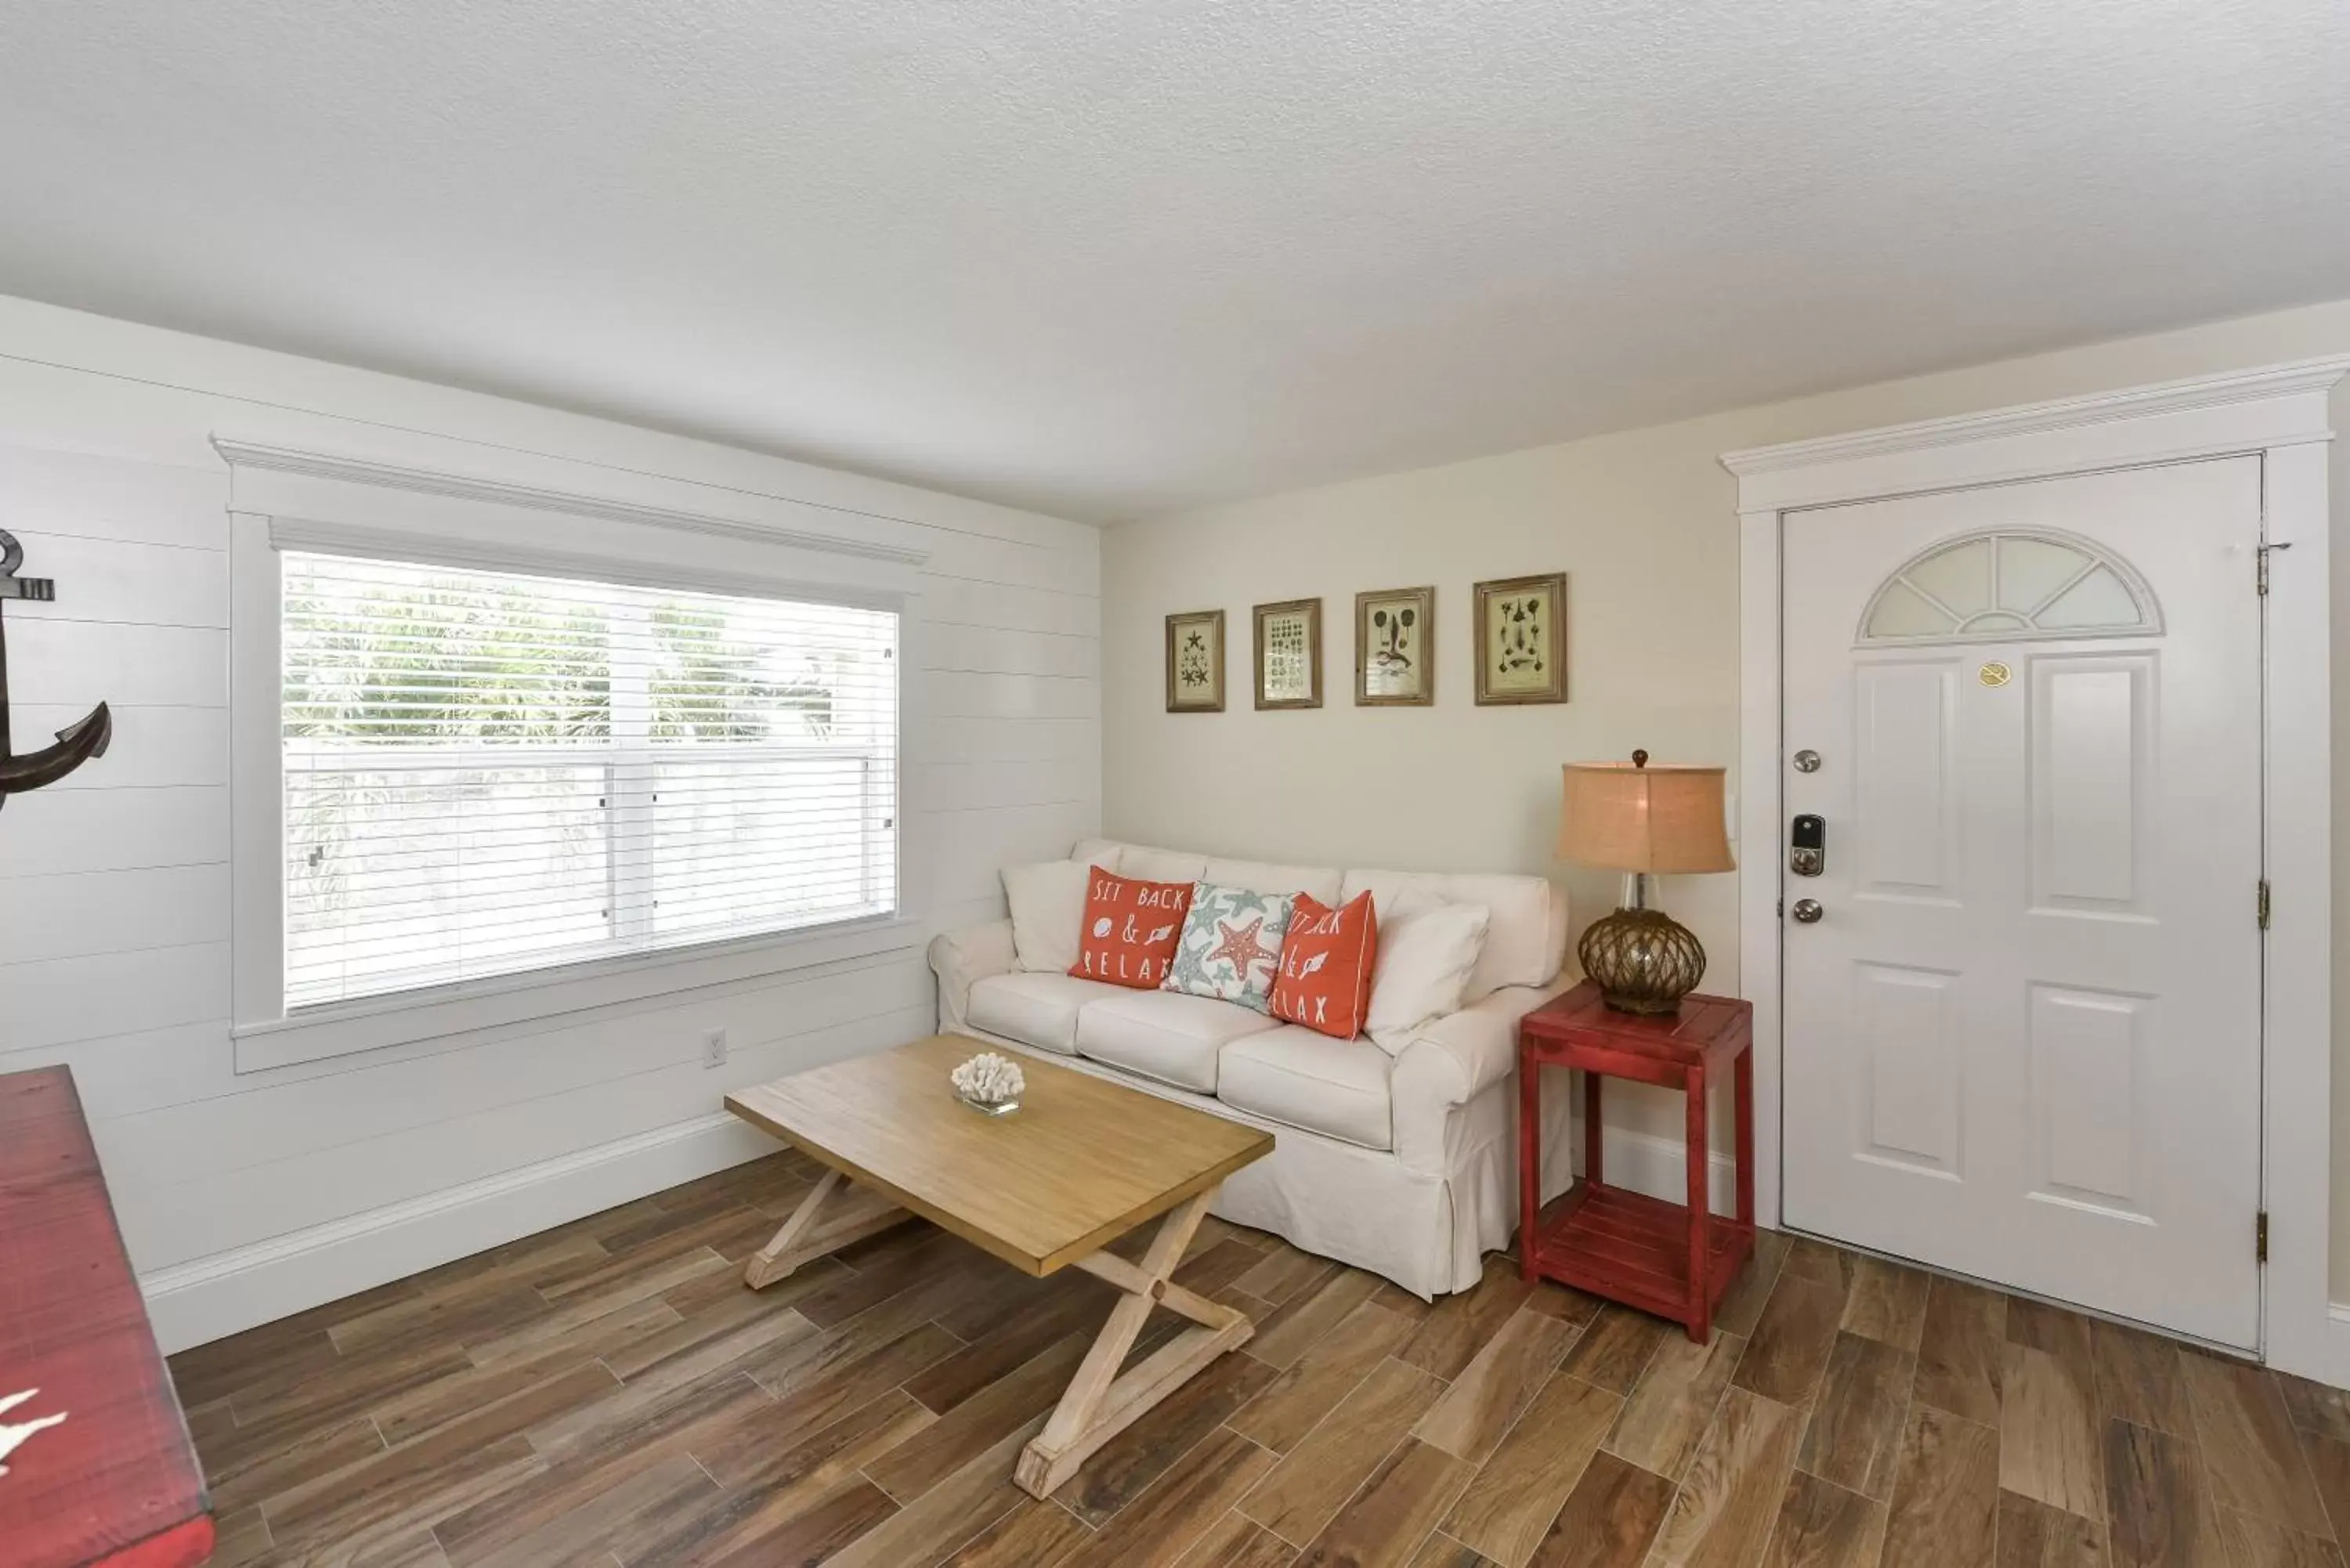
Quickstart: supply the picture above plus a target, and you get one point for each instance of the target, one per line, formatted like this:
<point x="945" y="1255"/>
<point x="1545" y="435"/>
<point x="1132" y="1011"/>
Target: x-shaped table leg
<point x="1101" y="1401"/>
<point x="859" y="1213"/>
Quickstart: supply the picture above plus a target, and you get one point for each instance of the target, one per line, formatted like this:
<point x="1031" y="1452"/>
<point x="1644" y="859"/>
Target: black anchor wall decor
<point x="77" y="743"/>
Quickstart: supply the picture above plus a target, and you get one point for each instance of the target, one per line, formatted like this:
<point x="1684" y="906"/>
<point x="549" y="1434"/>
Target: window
<point x="2010" y="586"/>
<point x="488" y="772"/>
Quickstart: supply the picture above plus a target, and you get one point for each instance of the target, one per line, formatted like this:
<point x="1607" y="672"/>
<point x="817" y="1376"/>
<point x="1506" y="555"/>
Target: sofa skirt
<point x="1427" y="1232"/>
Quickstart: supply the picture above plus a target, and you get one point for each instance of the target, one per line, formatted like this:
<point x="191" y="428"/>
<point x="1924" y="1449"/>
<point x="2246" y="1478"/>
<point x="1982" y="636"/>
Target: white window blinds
<point x="488" y="772"/>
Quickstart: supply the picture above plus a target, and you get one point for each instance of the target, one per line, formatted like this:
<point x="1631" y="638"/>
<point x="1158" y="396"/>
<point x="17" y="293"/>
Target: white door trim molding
<point x="2280" y="415"/>
<point x="2248" y="411"/>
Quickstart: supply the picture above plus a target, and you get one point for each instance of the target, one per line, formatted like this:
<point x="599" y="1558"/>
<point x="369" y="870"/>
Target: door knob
<point x="1806" y="911"/>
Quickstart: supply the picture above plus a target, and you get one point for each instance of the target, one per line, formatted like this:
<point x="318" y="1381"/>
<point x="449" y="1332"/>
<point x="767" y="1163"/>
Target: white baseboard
<point x="1646" y="1163"/>
<point x="208" y="1298"/>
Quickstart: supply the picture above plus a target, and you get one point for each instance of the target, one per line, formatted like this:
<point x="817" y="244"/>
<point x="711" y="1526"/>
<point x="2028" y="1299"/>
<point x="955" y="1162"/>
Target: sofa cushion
<point x="1048" y="910"/>
<point x="1319" y="883"/>
<point x="1164" y="1035"/>
<point x="1426" y="955"/>
<point x="1039" y="1010"/>
<point x="1303" y="1079"/>
<point x="1523" y="942"/>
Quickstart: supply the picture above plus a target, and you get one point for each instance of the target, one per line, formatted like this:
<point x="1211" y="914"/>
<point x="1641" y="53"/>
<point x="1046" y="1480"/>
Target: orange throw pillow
<point x="1325" y="979"/>
<point x="1131" y="930"/>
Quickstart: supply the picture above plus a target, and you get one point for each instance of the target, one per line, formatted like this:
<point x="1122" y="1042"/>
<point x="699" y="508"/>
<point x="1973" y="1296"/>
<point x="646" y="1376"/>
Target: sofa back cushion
<point x="1102" y="852"/>
<point x="1327" y="963"/>
<point x="1176" y="865"/>
<point x="1525" y="939"/>
<point x="1161" y="865"/>
<point x="1131" y="928"/>
<point x="1319" y="883"/>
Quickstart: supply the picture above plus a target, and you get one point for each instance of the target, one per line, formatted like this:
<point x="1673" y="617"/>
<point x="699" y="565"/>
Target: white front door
<point x="2022" y="1033"/>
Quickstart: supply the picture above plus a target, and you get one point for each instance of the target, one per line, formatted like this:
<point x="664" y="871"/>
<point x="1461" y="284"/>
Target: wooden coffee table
<point x="1081" y="1163"/>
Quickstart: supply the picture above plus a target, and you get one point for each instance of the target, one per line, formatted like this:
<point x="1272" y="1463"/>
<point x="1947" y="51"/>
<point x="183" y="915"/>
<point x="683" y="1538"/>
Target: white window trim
<point x="2280" y="415"/>
<point x="282" y="499"/>
<point x="403" y="1018"/>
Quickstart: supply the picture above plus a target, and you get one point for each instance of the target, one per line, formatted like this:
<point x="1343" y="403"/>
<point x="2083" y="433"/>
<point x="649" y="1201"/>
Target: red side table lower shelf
<point x="1635" y="1249"/>
<point x="1676" y="1259"/>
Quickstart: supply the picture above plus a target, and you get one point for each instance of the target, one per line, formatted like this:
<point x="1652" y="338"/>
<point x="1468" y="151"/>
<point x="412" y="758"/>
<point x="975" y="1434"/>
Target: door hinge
<point x="2261" y="1237"/>
<point x="2265" y="903"/>
<point x="2261" y="567"/>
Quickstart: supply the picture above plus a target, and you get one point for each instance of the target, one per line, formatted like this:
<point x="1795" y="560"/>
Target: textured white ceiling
<point x="1107" y="260"/>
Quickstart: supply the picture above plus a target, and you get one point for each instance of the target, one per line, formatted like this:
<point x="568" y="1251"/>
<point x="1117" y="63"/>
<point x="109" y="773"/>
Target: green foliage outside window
<point x="436" y="665"/>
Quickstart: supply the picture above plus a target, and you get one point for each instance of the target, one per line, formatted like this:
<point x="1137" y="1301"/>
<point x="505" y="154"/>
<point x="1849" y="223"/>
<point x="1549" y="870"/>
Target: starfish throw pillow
<point x="1231" y="945"/>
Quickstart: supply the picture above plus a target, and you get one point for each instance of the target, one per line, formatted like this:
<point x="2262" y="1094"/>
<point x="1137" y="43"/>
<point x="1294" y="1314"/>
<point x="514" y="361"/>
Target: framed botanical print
<point x="1195" y="663"/>
<point x="1289" y="654"/>
<point x="1521" y="639"/>
<point x="1394" y="647"/>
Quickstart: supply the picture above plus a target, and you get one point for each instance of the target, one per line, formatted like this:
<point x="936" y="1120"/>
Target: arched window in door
<point x="2008" y="585"/>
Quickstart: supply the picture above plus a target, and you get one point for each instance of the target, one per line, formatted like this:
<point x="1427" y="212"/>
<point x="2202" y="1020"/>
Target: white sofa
<point x="1403" y="1164"/>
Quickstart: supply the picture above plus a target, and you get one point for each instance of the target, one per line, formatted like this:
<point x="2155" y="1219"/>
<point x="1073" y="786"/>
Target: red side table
<point x="118" y="1483"/>
<point x="1674" y="1260"/>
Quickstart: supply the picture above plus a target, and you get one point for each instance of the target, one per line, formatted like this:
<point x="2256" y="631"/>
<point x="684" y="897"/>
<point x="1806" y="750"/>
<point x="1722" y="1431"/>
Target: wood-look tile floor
<point x="609" y="1393"/>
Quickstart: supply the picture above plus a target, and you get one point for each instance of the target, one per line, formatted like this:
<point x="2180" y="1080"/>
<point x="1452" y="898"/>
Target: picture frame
<point x="1521" y="635"/>
<point x="1394" y="647"/>
<point x="1195" y="663"/>
<point x="1289" y="654"/>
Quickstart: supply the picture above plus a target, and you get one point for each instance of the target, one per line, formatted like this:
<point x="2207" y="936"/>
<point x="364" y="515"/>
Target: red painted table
<point x="1672" y="1258"/>
<point x="117" y="1483"/>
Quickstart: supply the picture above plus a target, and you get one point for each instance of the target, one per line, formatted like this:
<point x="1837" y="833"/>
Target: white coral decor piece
<point x="989" y="1079"/>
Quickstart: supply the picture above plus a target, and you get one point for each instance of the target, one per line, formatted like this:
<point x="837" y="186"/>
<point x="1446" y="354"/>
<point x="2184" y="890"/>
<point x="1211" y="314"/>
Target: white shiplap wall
<point x="243" y="1198"/>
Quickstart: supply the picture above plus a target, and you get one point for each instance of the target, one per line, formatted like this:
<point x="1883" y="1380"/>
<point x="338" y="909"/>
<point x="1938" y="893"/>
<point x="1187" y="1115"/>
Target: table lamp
<point x="1642" y="820"/>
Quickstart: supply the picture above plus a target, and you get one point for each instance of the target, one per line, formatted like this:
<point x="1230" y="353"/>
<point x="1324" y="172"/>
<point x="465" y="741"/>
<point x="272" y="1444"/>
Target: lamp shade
<point x="1639" y="816"/>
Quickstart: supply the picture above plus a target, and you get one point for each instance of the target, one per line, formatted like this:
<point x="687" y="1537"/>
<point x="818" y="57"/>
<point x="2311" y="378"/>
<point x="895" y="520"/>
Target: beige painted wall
<point x="1644" y="523"/>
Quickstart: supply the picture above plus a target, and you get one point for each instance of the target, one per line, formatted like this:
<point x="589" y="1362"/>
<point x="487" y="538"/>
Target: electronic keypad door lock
<point x="1807" y="844"/>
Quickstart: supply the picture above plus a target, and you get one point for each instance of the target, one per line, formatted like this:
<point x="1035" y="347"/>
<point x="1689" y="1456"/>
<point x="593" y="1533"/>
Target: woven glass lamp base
<point x="1644" y="961"/>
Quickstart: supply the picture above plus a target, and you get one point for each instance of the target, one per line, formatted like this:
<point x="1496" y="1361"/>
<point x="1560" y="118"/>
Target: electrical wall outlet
<point x="713" y="1048"/>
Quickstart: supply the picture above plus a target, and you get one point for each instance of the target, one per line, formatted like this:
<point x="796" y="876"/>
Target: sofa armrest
<point x="961" y="958"/>
<point x="1452" y="1061"/>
